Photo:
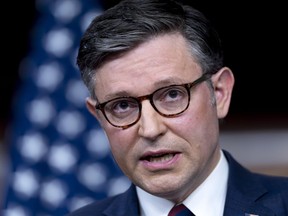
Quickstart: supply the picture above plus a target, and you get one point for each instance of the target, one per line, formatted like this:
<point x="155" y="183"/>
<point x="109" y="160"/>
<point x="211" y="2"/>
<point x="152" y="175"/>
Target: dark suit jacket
<point x="248" y="194"/>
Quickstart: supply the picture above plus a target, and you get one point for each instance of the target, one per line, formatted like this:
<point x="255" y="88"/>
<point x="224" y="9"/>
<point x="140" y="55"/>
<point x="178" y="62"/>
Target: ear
<point x="223" y="82"/>
<point x="90" y="104"/>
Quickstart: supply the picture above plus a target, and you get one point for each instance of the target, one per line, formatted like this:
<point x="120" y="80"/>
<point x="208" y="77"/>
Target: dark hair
<point x="132" y="22"/>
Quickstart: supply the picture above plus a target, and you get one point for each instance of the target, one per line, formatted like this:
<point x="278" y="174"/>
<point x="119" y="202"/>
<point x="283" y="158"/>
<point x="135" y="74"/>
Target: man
<point x="158" y="87"/>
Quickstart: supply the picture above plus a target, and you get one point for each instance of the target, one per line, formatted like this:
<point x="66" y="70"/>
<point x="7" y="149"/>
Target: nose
<point x="151" y="123"/>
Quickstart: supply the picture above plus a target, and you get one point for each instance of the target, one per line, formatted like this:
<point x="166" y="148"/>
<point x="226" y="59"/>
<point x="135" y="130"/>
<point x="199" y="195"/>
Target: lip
<point x="160" y="160"/>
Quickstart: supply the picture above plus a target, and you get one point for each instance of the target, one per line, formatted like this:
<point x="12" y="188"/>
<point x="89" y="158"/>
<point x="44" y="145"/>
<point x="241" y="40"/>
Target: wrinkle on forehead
<point x="163" y="60"/>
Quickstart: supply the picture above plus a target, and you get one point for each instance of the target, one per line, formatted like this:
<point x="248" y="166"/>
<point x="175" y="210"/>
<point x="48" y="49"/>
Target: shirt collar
<point x="205" y="195"/>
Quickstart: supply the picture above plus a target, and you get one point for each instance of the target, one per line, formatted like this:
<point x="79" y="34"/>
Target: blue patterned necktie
<point x="180" y="210"/>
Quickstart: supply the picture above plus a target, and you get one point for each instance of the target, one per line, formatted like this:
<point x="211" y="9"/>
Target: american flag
<point x="59" y="156"/>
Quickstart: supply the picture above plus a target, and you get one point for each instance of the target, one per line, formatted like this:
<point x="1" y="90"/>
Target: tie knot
<point x="180" y="210"/>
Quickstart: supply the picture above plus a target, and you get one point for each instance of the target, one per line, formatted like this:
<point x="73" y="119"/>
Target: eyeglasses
<point x="168" y="101"/>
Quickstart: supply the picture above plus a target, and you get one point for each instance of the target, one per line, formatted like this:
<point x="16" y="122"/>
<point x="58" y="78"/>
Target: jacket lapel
<point x="245" y="195"/>
<point x="125" y="204"/>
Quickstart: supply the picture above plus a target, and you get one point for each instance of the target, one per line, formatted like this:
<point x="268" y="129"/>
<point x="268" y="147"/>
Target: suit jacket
<point x="248" y="194"/>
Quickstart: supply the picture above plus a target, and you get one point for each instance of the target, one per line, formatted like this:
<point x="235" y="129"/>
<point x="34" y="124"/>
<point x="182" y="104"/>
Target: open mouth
<point x="159" y="158"/>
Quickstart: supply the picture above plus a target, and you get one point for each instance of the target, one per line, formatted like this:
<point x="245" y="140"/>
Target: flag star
<point x="33" y="146"/>
<point x="62" y="157"/>
<point x="58" y="42"/>
<point x="49" y="76"/>
<point x="26" y="183"/>
<point x="53" y="193"/>
<point x="70" y="123"/>
<point x="16" y="210"/>
<point x="66" y="10"/>
<point x="41" y="111"/>
<point x="93" y="176"/>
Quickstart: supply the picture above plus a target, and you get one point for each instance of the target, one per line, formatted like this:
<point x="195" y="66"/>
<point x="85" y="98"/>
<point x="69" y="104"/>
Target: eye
<point x="122" y="107"/>
<point x="171" y="94"/>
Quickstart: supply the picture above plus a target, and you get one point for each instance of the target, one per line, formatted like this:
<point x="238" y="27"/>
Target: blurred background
<point x="53" y="155"/>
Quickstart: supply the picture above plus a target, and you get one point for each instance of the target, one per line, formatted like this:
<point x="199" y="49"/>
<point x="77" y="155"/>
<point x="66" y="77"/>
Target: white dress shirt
<point x="207" y="200"/>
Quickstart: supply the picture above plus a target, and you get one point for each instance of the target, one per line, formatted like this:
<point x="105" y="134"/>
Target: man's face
<point x="167" y="157"/>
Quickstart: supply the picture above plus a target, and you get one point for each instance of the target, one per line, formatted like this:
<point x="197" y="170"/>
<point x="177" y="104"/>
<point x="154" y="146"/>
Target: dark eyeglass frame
<point x="188" y="86"/>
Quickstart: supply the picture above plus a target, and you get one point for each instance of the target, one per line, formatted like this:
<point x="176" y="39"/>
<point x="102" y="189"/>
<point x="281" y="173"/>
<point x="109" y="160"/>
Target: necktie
<point x="180" y="210"/>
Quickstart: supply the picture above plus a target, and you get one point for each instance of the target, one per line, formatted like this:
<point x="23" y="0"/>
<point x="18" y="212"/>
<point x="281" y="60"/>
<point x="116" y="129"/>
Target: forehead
<point x="165" y="59"/>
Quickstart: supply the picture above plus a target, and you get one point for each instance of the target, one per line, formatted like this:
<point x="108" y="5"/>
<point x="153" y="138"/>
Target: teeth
<point x="161" y="158"/>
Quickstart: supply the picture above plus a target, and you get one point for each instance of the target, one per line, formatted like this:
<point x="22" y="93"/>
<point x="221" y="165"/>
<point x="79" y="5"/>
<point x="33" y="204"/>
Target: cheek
<point x="121" y="142"/>
<point x="122" y="146"/>
<point x="192" y="120"/>
<point x="118" y="150"/>
<point x="197" y="125"/>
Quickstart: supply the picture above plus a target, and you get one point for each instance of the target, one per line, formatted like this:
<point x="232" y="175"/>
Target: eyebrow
<point x="169" y="81"/>
<point x="118" y="94"/>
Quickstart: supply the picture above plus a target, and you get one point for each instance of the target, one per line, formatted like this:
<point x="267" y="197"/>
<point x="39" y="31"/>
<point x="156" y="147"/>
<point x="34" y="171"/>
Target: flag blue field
<point x="59" y="156"/>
